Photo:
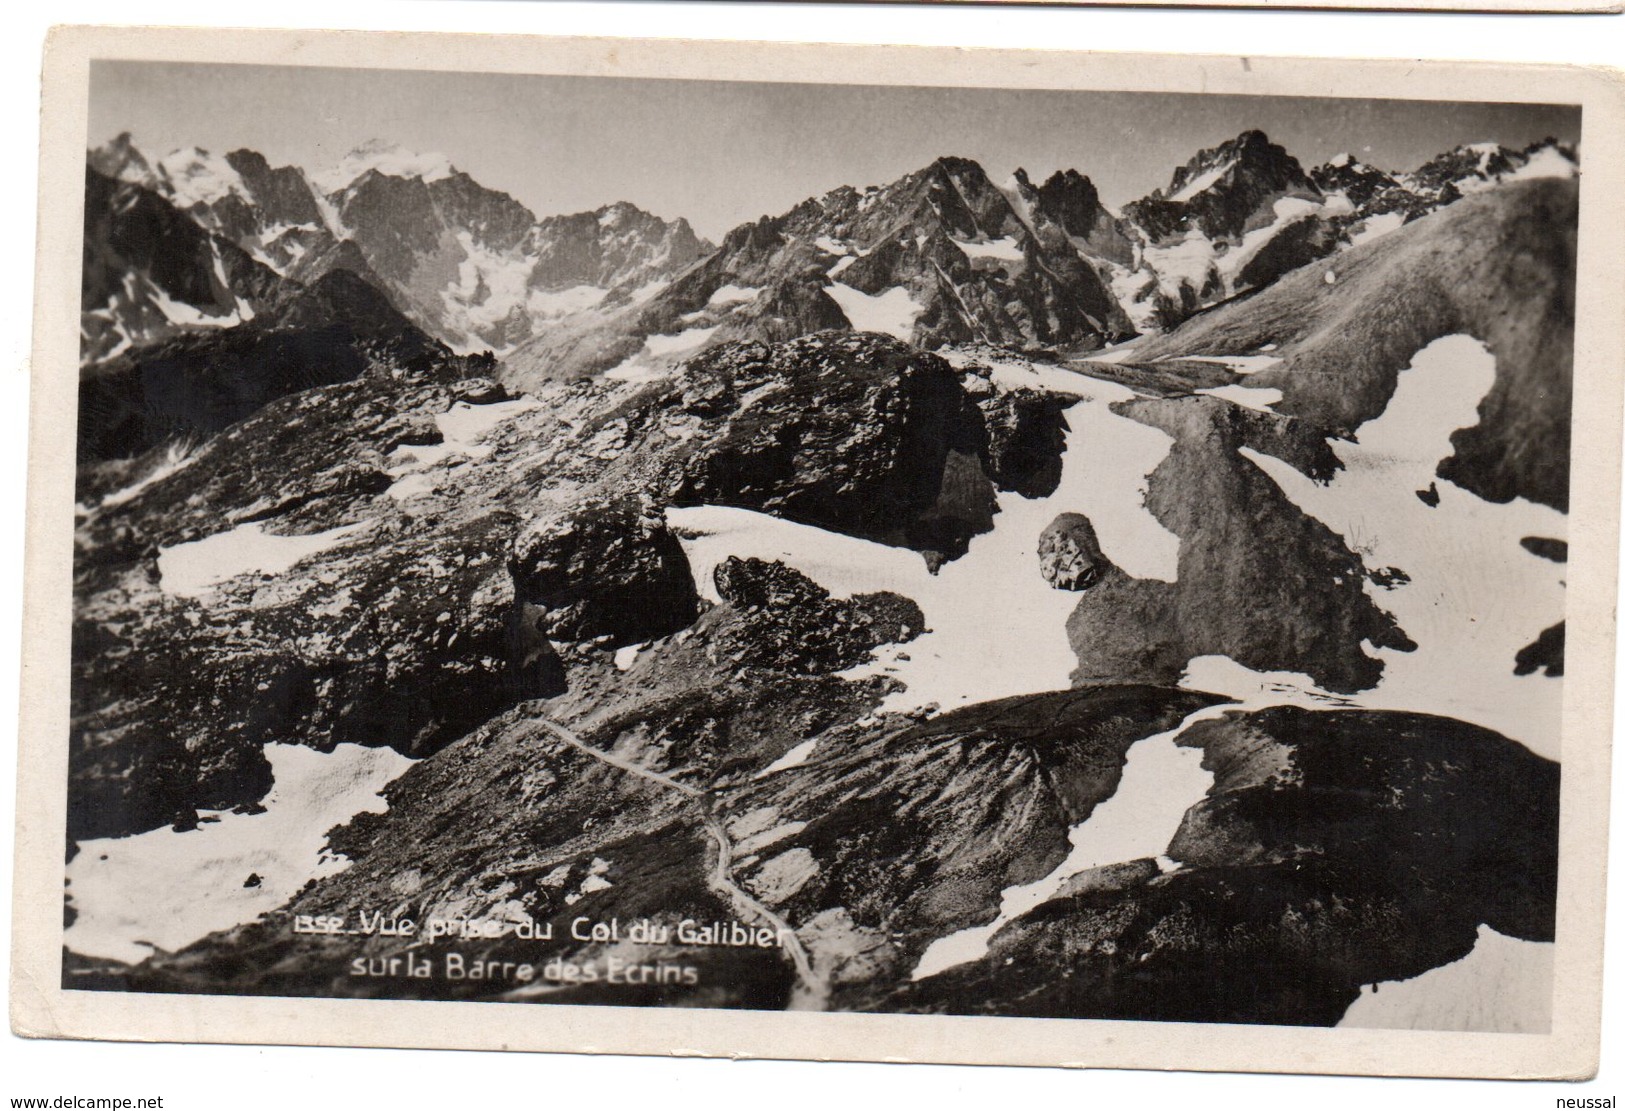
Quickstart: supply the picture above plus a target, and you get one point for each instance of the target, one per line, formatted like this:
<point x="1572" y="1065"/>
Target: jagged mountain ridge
<point x="940" y="256"/>
<point x="471" y="265"/>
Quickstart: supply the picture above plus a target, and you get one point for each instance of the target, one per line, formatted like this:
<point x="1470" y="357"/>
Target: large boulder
<point x="1069" y="555"/>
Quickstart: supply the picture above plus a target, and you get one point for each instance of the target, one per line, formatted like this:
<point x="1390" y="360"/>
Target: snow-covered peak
<point x="389" y="159"/>
<point x="1340" y="160"/>
<point x="612" y="217"/>
<point x="119" y="158"/>
<point x="194" y="176"/>
<point x="1545" y="161"/>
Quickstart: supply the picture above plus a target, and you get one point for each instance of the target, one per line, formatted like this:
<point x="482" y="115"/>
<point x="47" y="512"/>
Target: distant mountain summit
<point x="1224" y="192"/>
<point x="469" y="264"/>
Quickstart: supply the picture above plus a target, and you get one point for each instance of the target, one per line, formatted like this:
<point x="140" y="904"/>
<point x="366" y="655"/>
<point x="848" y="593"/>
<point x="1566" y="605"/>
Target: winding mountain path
<point x="812" y="991"/>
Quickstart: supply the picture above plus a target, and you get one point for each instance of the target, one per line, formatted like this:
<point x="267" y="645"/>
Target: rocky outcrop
<point x="829" y="634"/>
<point x="1258" y="581"/>
<point x="1335" y="849"/>
<point x="1069" y="555"/>
<point x="852" y="433"/>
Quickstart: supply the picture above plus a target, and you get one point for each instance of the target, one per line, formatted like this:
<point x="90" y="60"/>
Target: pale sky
<point x="721" y="153"/>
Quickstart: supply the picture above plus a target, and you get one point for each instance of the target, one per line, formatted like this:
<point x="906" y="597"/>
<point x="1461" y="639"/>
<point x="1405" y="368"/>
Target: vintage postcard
<point x="830" y="552"/>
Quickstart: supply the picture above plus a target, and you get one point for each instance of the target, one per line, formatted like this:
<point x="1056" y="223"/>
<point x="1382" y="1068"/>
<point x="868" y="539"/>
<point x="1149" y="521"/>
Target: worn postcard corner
<point x="738" y="550"/>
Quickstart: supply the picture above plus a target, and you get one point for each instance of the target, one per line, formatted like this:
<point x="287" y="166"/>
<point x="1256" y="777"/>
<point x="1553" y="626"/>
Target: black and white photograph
<point x="990" y="552"/>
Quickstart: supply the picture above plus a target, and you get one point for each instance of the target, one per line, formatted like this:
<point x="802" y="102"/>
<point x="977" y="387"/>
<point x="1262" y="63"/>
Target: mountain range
<point x="195" y="241"/>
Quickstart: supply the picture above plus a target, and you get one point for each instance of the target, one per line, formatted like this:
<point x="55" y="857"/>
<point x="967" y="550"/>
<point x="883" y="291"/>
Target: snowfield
<point x="164" y="890"/>
<point x="1473" y="586"/>
<point x="891" y="313"/>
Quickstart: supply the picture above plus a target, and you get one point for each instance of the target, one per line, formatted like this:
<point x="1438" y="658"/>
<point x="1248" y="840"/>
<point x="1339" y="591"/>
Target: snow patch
<point x="388" y="159"/>
<point x="176" y="457"/>
<point x="552" y="304"/>
<point x="1240" y="364"/>
<point x="1006" y="249"/>
<point x="731" y="294"/>
<point x="1376" y="227"/>
<point x="164" y="890"/>
<point x="791" y="759"/>
<point x="1545" y="162"/>
<point x="194" y="569"/>
<point x="892" y="313"/>
<point x="1201" y="181"/>
<point x="490" y="285"/>
<point x="1504" y="985"/>
<point x="195" y="176"/>
<point x="1249" y="397"/>
<point x="1475" y="595"/>
<point x="1186" y="263"/>
<point x="465" y="425"/>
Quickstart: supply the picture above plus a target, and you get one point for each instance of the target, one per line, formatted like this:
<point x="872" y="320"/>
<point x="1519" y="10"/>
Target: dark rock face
<point x="1069" y="555"/>
<point x="608" y="572"/>
<point x="140" y="251"/>
<point x="618" y="245"/>
<point x="1026" y="435"/>
<point x="281" y="193"/>
<point x="1335" y="849"/>
<point x="1357" y="181"/>
<point x="1296" y="245"/>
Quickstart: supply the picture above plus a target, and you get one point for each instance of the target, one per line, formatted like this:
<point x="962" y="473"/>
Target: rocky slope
<point x="450" y="568"/>
<point x="1498" y="265"/>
